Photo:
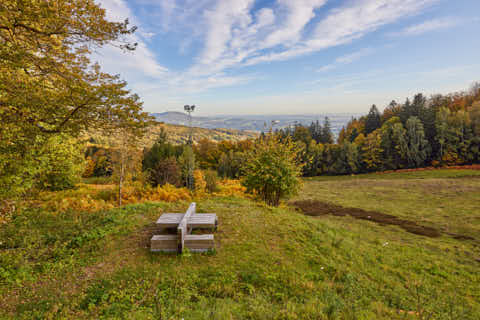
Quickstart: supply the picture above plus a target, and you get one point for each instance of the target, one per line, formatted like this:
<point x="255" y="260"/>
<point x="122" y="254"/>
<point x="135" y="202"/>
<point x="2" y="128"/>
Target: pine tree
<point x="373" y="121"/>
<point x="327" y="135"/>
<point x="417" y="144"/>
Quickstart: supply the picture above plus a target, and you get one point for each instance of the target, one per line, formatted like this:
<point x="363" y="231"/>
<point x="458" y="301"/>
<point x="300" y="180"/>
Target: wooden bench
<point x="197" y="220"/>
<point x="185" y="222"/>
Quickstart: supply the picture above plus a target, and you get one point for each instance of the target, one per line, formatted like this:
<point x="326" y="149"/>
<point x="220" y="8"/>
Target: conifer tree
<point x="373" y="120"/>
<point x="327" y="135"/>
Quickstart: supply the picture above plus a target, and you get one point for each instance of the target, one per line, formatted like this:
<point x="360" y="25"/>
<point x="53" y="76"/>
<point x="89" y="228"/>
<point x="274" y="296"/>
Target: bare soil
<point x="318" y="208"/>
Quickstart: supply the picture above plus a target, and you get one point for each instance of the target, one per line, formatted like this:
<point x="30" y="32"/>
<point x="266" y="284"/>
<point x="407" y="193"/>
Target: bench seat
<point x="197" y="220"/>
<point x="164" y="242"/>
<point x="194" y="242"/>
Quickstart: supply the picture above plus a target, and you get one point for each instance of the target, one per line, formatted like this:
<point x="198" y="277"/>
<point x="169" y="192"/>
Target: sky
<point x="293" y="56"/>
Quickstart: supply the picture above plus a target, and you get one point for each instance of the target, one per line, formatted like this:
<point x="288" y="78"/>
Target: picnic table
<point x="185" y="223"/>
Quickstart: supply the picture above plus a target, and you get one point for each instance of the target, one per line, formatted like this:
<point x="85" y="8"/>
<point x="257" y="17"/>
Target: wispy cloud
<point x="428" y="26"/>
<point x="141" y="60"/>
<point x="347" y="59"/>
<point x="232" y="35"/>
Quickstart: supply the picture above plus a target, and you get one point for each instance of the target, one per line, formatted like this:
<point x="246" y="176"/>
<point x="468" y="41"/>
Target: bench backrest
<point x="182" y="226"/>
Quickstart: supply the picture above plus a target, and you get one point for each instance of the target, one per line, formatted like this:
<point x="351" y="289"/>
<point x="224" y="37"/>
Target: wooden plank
<point x="167" y="243"/>
<point x="199" y="242"/>
<point x="202" y="220"/>
<point x="182" y="229"/>
<point x="169" y="220"/>
<point x="197" y="220"/>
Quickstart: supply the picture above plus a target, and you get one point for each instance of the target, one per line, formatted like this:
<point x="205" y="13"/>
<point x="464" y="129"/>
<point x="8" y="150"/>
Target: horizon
<point x="272" y="56"/>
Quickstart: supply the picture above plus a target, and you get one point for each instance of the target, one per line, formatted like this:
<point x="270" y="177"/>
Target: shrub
<point x="200" y="183"/>
<point x="63" y="164"/>
<point x="272" y="172"/>
<point x="165" y="171"/>
<point x="211" y="181"/>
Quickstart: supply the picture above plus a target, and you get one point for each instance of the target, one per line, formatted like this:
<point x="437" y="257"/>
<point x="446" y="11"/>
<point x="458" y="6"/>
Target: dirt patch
<point x="461" y="237"/>
<point x="318" y="208"/>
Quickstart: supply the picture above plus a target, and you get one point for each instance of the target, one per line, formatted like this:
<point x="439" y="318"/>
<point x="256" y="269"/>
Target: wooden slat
<point x="169" y="220"/>
<point x="202" y="220"/>
<point x="167" y="243"/>
<point x="197" y="220"/>
<point x="182" y="226"/>
<point x="199" y="242"/>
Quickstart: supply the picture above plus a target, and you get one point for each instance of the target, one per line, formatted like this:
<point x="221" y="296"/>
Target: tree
<point x="391" y="156"/>
<point x="441" y="124"/>
<point x="327" y="135"/>
<point x="47" y="83"/>
<point x="126" y="159"/>
<point x="399" y="138"/>
<point x="45" y="49"/>
<point x="316" y="131"/>
<point x="272" y="171"/>
<point x="417" y="151"/>
<point x="346" y="158"/>
<point x="188" y="165"/>
<point x="165" y="171"/>
<point x="373" y="120"/>
<point x="371" y="150"/>
<point x="160" y="151"/>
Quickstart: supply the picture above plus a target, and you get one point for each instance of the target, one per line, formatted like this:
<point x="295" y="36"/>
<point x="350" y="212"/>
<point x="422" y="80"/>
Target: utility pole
<point x="190" y="162"/>
<point x="189" y="110"/>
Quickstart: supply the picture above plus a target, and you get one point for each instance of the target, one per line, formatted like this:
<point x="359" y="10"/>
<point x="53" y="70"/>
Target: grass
<point x="270" y="263"/>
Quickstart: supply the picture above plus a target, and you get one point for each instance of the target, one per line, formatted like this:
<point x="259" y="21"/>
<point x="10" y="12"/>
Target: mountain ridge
<point x="255" y="123"/>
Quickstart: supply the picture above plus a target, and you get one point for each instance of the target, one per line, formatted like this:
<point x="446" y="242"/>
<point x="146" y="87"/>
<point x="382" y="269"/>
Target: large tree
<point x="373" y="120"/>
<point x="48" y="84"/>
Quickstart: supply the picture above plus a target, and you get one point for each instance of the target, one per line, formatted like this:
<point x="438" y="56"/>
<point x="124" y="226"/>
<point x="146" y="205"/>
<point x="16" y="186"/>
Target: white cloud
<point x="128" y="64"/>
<point x="231" y="35"/>
<point x="428" y="26"/>
<point x="347" y="59"/>
<point x="345" y="24"/>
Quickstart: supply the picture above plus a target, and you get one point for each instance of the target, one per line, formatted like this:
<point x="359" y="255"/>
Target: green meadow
<point x="269" y="263"/>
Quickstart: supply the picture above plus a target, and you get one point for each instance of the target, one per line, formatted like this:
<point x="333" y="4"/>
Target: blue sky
<point x="294" y="56"/>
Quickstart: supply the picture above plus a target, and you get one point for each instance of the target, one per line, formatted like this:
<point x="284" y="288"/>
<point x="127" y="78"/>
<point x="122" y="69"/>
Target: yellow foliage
<point x="91" y="198"/>
<point x="200" y="183"/>
<point x="230" y="187"/>
<point x="89" y="168"/>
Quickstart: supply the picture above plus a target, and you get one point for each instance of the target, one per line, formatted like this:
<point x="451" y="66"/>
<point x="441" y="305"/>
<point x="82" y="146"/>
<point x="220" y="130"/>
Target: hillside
<point x="253" y="122"/>
<point x="270" y="263"/>
<point x="178" y="134"/>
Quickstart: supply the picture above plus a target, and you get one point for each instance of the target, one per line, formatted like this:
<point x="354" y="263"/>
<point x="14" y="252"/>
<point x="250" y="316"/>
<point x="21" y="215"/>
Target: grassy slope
<point x="270" y="263"/>
<point x="178" y="134"/>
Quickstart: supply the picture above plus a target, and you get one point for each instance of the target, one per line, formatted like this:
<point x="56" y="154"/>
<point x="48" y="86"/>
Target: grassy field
<point x="270" y="263"/>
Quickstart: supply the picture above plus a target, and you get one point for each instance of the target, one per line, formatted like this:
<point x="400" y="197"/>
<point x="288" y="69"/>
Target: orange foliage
<point x="91" y="198"/>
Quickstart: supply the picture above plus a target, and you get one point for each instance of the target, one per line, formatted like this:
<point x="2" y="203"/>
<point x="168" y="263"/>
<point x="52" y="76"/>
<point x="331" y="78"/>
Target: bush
<point x="272" y="172"/>
<point x="211" y="181"/>
<point x="200" y="184"/>
<point x="63" y="164"/>
<point x="165" y="171"/>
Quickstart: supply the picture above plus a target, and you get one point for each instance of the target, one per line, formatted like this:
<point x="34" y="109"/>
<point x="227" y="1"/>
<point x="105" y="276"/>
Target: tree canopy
<point x="49" y="86"/>
<point x="47" y="82"/>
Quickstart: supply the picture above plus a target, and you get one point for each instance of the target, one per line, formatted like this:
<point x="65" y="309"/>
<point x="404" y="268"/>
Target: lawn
<point x="270" y="263"/>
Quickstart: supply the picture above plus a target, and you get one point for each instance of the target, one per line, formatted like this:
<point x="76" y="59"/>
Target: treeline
<point x="437" y="131"/>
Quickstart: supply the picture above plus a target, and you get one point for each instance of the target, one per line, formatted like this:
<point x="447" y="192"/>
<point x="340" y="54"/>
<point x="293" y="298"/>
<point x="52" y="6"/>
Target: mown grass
<point x="270" y="263"/>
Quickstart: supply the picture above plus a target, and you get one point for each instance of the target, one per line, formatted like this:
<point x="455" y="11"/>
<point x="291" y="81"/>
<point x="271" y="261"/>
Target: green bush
<point x="272" y="171"/>
<point x="63" y="164"/>
<point x="211" y="181"/>
<point x="54" y="163"/>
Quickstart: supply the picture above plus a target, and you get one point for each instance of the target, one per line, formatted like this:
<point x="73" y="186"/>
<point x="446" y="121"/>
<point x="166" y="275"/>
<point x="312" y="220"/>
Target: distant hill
<point x="252" y="122"/>
<point x="176" y="134"/>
